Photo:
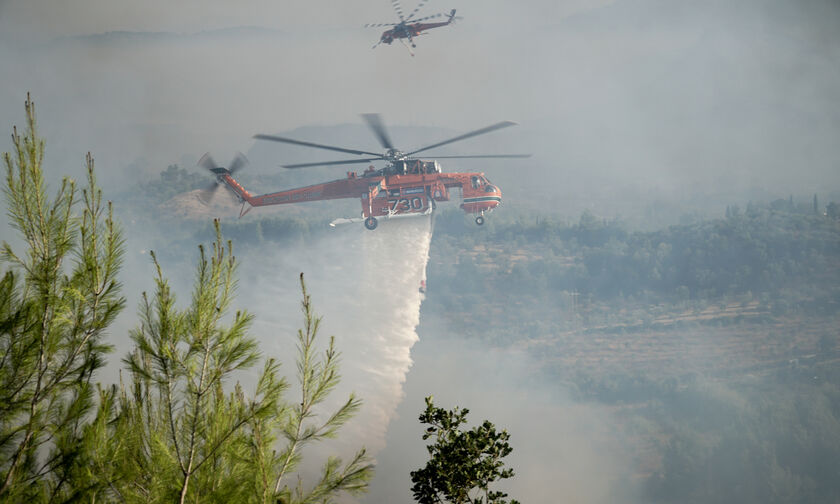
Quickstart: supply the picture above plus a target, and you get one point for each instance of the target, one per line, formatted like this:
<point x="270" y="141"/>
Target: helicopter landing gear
<point x="479" y="220"/>
<point x="371" y="223"/>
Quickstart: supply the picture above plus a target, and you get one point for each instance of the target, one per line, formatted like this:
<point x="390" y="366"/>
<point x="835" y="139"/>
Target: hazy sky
<point x="668" y="95"/>
<point x="79" y="17"/>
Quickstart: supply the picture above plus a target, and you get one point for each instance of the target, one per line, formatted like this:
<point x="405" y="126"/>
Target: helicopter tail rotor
<point x="237" y="163"/>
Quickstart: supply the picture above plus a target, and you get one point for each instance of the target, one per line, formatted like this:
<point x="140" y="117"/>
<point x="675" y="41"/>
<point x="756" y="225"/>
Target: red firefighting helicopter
<point x="408" y="27"/>
<point x="405" y="187"/>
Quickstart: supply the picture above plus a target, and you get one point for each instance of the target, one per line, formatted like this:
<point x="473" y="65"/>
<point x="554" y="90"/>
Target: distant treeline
<point x="760" y="251"/>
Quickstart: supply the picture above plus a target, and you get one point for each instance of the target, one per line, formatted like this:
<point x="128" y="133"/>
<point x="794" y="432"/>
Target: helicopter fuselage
<point x="406" y="186"/>
<point x="408" y="31"/>
<point x="394" y="191"/>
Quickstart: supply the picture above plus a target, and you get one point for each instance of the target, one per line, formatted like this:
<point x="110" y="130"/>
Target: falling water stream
<point x="365" y="285"/>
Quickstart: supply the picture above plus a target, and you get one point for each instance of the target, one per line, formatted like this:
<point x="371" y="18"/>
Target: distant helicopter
<point x="408" y="27"/>
<point x="405" y="187"/>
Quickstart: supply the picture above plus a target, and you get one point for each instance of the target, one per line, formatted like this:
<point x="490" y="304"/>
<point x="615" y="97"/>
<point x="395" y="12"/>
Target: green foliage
<point x="300" y="426"/>
<point x="181" y="419"/>
<point x="180" y="429"/>
<point x="463" y="463"/>
<point x="179" y="436"/>
<point x="56" y="303"/>
<point x="775" y="441"/>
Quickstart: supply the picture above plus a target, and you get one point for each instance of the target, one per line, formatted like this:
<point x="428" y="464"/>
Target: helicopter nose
<point x="495" y="193"/>
<point x="486" y="198"/>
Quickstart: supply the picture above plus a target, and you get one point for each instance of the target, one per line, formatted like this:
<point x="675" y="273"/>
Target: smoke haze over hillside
<point x="649" y="108"/>
<point x="562" y="449"/>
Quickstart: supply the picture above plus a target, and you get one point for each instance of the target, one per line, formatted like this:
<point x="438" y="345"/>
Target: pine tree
<point x="176" y="420"/>
<point x="317" y="378"/>
<point x="178" y="430"/>
<point x="56" y="303"/>
<point x="179" y="436"/>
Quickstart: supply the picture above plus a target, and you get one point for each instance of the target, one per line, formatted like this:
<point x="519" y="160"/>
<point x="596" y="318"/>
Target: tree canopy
<point x="462" y="463"/>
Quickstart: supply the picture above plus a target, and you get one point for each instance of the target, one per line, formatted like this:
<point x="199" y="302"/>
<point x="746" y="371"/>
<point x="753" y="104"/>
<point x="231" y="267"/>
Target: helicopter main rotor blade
<point x="398" y="8"/>
<point x="379" y="25"/>
<point x="419" y="6"/>
<point x="378" y="127"/>
<point x="328" y="163"/>
<point x="487" y="156"/>
<point x="317" y="146"/>
<point x="428" y="17"/>
<point x="488" y="129"/>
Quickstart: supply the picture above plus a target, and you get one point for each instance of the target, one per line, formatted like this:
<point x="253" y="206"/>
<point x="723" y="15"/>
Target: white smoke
<point x="365" y="285"/>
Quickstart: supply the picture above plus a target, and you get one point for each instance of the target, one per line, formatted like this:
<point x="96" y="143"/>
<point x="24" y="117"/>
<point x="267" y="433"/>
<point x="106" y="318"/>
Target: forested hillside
<point x="715" y="342"/>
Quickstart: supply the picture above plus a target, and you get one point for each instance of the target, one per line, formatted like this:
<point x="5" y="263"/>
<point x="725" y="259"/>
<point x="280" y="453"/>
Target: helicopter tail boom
<point x="225" y="177"/>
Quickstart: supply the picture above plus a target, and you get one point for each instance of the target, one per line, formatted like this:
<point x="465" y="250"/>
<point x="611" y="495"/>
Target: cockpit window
<point x="489" y="188"/>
